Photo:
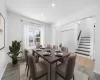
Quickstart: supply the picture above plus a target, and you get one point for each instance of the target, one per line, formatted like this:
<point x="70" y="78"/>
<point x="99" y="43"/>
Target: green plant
<point x="14" y="51"/>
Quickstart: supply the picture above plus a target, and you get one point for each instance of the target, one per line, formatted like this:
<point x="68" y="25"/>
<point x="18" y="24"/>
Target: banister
<point x="79" y="35"/>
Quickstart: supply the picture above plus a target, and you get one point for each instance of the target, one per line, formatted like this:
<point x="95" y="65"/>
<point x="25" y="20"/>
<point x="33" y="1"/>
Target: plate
<point x="57" y="51"/>
<point x="59" y="54"/>
<point x="38" y="49"/>
<point x="46" y="53"/>
<point x="42" y="48"/>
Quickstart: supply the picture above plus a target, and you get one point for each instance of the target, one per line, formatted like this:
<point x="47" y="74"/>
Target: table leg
<point x="50" y="70"/>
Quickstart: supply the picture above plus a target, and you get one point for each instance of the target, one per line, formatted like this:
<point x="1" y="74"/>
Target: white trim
<point x="3" y="70"/>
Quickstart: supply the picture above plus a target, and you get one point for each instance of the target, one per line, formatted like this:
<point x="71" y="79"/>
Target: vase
<point x="14" y="61"/>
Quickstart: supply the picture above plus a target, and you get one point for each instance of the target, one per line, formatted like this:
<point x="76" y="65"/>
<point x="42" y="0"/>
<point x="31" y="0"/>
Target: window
<point x="34" y="37"/>
<point x="37" y="37"/>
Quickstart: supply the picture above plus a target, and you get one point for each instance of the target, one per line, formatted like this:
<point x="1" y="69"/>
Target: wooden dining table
<point x="52" y="58"/>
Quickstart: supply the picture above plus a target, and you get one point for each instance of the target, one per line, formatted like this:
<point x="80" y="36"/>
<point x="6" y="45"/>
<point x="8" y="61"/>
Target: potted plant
<point x="14" y="51"/>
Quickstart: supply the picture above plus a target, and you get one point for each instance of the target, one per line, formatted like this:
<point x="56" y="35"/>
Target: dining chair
<point x="66" y="70"/>
<point x="55" y="47"/>
<point x="36" y="56"/>
<point x="26" y="59"/>
<point x="64" y="49"/>
<point x="38" y="46"/>
<point x="37" y="70"/>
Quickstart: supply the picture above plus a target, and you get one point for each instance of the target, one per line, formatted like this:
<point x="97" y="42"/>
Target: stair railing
<point x="79" y="35"/>
<point x="78" y="38"/>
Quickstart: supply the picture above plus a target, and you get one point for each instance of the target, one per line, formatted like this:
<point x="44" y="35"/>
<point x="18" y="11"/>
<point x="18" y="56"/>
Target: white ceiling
<point x="35" y="8"/>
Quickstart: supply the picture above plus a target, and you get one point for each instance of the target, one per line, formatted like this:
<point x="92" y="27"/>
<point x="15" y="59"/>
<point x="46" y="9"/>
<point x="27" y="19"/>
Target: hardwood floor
<point x="86" y="62"/>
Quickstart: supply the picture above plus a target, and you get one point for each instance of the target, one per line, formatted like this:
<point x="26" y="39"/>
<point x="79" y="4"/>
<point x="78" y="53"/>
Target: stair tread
<point x="84" y="44"/>
<point x="82" y="50"/>
<point x="85" y="37"/>
<point x="84" y="47"/>
<point x="82" y="53"/>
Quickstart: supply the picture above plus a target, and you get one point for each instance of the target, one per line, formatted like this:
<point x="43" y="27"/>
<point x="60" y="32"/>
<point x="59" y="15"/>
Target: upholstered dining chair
<point x="64" y="49"/>
<point x="38" y="46"/>
<point x="55" y="47"/>
<point x="66" y="70"/>
<point x="26" y="59"/>
<point x="36" y="56"/>
<point x="37" y="70"/>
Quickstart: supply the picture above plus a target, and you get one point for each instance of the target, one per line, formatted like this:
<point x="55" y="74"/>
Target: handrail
<point x="79" y="35"/>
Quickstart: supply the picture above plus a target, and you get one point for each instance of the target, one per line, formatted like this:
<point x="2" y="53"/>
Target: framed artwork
<point x="2" y="32"/>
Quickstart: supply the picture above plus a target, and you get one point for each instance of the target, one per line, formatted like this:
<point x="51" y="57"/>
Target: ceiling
<point x="44" y="11"/>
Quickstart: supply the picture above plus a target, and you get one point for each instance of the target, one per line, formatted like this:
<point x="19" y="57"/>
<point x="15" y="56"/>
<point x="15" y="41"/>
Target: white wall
<point x="97" y="41"/>
<point x="16" y="28"/>
<point x="93" y="10"/>
<point x="3" y="55"/>
<point x="86" y="12"/>
<point x="66" y="35"/>
<point x="48" y="34"/>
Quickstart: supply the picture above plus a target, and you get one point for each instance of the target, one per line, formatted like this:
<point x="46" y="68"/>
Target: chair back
<point x="48" y="46"/>
<point x="26" y="55"/>
<point x="65" y="49"/>
<point x="38" y="46"/>
<point x="32" y="66"/>
<point x="70" y="66"/>
<point x="33" y="52"/>
<point x="55" y="47"/>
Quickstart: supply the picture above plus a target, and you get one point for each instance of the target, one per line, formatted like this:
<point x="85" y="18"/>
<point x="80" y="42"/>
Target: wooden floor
<point x="85" y="62"/>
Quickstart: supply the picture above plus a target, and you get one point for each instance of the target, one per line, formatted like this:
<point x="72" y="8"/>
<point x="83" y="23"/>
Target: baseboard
<point x="3" y="70"/>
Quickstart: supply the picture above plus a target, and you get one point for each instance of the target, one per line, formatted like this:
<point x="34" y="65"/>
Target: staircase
<point x="84" y="46"/>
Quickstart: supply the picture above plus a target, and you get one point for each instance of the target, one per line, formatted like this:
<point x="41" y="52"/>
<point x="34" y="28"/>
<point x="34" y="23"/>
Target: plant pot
<point x="14" y="61"/>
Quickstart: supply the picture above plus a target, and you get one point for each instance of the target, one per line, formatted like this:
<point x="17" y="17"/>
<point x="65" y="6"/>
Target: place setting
<point x="58" y="53"/>
<point x="47" y="53"/>
<point x="38" y="49"/>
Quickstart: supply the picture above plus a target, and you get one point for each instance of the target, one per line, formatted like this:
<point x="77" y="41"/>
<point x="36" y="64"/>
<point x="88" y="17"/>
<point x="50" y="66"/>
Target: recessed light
<point x="41" y="14"/>
<point x="53" y="5"/>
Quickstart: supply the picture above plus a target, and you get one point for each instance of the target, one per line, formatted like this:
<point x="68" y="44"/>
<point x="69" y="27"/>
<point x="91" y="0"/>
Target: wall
<point x="86" y="12"/>
<point x="48" y="34"/>
<point x="3" y="55"/>
<point x="93" y="10"/>
<point x="66" y="35"/>
<point x="15" y="30"/>
<point x="97" y="41"/>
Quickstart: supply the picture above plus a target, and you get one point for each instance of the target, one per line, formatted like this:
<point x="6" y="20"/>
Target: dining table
<point x="52" y="58"/>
